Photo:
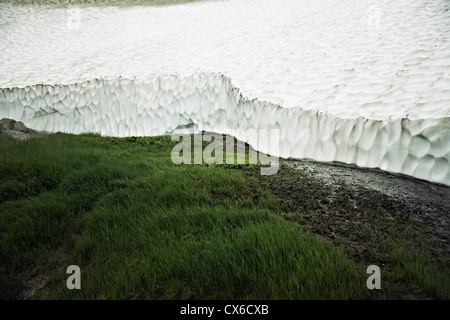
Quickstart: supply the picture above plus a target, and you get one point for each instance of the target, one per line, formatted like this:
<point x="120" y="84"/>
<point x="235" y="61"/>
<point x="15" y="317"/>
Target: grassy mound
<point x="140" y="227"/>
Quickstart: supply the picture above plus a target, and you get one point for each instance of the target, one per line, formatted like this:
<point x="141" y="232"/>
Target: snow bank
<point x="165" y="104"/>
<point x="359" y="81"/>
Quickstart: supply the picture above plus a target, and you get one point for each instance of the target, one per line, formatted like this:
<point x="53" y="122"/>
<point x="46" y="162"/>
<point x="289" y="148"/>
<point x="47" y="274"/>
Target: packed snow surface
<point x="358" y="81"/>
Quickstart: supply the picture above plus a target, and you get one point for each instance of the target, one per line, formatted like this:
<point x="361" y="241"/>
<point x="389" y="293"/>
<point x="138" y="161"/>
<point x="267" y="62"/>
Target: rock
<point x="19" y="135"/>
<point x="19" y="126"/>
<point x="18" y="130"/>
<point x="7" y="124"/>
<point x="10" y="124"/>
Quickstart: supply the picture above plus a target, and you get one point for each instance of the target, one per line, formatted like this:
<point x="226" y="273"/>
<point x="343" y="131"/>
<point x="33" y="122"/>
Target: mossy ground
<point x="141" y="227"/>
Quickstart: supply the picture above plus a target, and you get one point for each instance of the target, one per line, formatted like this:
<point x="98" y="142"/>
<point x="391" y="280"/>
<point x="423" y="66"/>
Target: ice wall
<point x="164" y="104"/>
<point x="358" y="81"/>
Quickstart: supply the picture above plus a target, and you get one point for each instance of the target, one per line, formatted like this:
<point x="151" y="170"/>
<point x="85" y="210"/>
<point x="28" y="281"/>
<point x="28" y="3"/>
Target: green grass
<point x="140" y="227"/>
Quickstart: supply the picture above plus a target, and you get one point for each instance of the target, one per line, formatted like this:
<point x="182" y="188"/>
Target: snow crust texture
<point x="168" y="104"/>
<point x="363" y="82"/>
